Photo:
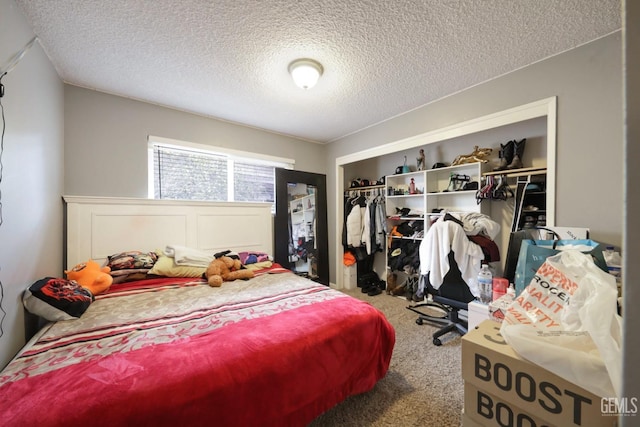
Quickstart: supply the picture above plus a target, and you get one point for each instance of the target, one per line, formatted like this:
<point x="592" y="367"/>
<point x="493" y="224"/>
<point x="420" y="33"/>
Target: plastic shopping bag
<point x="533" y="253"/>
<point x="566" y="321"/>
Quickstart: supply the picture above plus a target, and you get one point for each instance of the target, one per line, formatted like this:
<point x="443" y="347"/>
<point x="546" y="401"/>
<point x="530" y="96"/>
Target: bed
<point x="277" y="349"/>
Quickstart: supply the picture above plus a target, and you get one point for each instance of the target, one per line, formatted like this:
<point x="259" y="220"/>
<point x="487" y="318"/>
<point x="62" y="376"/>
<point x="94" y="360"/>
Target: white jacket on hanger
<point x="354" y="226"/>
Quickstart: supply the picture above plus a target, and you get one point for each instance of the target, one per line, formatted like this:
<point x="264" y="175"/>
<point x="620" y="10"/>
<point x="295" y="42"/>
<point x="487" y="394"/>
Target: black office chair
<point x="451" y="297"/>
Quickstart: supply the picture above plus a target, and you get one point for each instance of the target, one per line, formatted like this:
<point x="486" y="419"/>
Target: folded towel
<point x="183" y="255"/>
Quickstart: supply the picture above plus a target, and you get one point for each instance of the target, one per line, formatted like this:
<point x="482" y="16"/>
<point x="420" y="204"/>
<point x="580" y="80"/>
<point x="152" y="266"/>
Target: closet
<point x="435" y="189"/>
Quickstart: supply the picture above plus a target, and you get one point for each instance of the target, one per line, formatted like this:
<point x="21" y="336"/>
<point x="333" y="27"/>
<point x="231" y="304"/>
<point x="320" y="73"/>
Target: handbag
<point x="533" y="254"/>
<point x="515" y="242"/>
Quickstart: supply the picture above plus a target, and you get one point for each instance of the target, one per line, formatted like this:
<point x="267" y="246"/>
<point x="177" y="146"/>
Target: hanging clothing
<point x="354" y="226"/>
<point x="444" y="237"/>
<point x="381" y="222"/>
<point x="476" y="223"/>
<point x="373" y="225"/>
<point x="354" y="222"/>
<point x="347" y="210"/>
<point x="366" y="226"/>
<point x="373" y="247"/>
<point x="489" y="248"/>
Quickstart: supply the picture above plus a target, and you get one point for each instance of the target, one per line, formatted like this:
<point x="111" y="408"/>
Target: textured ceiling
<point x="228" y="58"/>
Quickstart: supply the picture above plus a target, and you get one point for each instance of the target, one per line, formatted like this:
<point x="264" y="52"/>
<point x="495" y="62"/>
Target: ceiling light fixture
<point x="305" y="72"/>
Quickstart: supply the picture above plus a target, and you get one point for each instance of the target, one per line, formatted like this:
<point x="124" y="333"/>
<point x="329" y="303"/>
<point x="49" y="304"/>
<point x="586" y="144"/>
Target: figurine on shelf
<point x="477" y="155"/>
<point x="412" y="187"/>
<point x="421" y="160"/>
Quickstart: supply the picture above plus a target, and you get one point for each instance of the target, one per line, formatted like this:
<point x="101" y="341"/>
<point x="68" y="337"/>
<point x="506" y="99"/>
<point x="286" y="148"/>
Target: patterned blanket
<point x="276" y="349"/>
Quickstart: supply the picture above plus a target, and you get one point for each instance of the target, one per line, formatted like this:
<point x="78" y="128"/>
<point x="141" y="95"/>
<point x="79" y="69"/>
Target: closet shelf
<point x="448" y="212"/>
<point x="518" y="172"/>
<point x="405" y="218"/>
<point x="406" y="238"/>
<point x="445" y="193"/>
<point x="405" y="195"/>
<point x="369" y="187"/>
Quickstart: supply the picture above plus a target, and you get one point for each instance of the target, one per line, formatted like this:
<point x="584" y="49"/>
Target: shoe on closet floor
<point x="374" y="292"/>
<point x="369" y="286"/>
<point x="376" y="288"/>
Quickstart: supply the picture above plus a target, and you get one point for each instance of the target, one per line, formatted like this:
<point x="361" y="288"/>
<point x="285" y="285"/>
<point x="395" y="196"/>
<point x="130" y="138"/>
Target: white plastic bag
<point x="566" y="321"/>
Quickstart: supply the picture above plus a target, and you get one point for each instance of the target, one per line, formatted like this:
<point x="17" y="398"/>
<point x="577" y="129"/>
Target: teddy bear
<point x="226" y="269"/>
<point x="91" y="276"/>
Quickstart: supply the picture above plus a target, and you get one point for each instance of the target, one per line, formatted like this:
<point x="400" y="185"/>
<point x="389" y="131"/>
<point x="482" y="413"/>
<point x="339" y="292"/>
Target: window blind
<point x="181" y="173"/>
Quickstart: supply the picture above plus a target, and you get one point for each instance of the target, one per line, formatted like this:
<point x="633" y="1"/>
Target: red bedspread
<point x="275" y="350"/>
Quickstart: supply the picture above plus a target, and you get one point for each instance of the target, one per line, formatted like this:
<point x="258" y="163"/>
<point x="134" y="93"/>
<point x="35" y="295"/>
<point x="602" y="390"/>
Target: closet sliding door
<point x="301" y="239"/>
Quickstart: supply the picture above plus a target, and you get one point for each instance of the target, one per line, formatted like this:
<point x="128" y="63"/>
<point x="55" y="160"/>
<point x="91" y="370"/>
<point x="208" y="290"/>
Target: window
<point x="187" y="171"/>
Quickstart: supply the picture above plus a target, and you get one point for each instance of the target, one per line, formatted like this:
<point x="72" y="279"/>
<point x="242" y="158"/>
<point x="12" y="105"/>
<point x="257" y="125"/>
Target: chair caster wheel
<point x="436" y="341"/>
<point x="419" y="321"/>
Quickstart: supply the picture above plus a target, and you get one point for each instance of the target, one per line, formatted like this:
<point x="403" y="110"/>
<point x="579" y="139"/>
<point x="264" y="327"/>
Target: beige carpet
<point x="423" y="387"/>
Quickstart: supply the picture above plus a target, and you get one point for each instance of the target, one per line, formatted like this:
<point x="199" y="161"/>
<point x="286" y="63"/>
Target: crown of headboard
<point x="97" y="227"/>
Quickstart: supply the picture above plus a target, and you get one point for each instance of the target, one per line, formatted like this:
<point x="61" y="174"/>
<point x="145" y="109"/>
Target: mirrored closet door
<point x="301" y="241"/>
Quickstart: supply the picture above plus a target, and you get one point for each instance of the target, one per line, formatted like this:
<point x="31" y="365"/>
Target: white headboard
<point x="101" y="226"/>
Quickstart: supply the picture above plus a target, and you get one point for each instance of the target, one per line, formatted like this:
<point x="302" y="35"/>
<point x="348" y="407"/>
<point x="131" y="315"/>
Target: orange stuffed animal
<point x="90" y="276"/>
<point x="226" y="269"/>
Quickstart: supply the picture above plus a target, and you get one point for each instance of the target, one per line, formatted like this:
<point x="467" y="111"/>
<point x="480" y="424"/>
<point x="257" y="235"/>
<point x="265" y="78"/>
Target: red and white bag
<point x="566" y="321"/>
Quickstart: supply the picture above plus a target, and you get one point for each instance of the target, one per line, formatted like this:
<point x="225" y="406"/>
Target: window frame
<point x="231" y="155"/>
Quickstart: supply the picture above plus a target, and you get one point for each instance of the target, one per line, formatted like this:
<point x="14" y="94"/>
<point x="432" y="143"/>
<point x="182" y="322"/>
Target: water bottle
<point x="485" y="284"/>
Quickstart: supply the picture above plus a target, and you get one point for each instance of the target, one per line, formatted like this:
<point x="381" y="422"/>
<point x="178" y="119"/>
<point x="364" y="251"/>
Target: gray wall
<point x="631" y="379"/>
<point x="32" y="175"/>
<point x="588" y="84"/>
<point x="106" y="142"/>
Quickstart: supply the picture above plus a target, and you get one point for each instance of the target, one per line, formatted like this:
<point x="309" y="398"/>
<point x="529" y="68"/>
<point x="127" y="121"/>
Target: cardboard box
<point x="468" y="421"/>
<point x="571" y="233"/>
<point x="477" y="313"/>
<point x="484" y="409"/>
<point x="489" y="364"/>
